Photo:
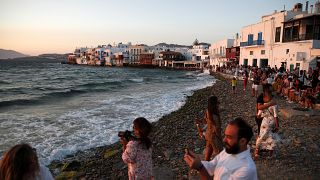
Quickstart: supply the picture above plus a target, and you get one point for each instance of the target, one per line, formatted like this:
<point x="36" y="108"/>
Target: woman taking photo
<point x="213" y="130"/>
<point x="21" y="162"/>
<point x="137" y="153"/>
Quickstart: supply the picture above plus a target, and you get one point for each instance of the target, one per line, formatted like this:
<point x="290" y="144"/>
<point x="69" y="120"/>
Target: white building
<point x="286" y="38"/>
<point x="217" y="51"/>
<point x="199" y="51"/>
<point x="135" y="51"/>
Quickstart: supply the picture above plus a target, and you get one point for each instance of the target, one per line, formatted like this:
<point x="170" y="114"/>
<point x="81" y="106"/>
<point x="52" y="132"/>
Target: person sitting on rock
<point x="21" y="162"/>
<point x="234" y="162"/>
<point x="137" y="153"/>
<point x="213" y="130"/>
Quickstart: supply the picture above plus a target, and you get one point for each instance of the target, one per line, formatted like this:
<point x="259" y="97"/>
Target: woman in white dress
<point x="268" y="137"/>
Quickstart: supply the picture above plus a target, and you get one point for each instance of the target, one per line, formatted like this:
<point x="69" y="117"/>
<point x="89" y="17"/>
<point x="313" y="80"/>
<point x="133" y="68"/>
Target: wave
<point x="18" y="102"/>
<point x="40" y="100"/>
<point x="4" y="82"/>
<point x="99" y="84"/>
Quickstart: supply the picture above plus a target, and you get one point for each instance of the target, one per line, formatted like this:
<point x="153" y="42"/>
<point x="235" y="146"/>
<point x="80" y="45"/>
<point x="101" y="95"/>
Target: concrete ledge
<point x="287" y="113"/>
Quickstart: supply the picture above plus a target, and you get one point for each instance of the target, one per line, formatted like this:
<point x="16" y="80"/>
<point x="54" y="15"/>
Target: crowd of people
<point x="226" y="156"/>
<point x="299" y="86"/>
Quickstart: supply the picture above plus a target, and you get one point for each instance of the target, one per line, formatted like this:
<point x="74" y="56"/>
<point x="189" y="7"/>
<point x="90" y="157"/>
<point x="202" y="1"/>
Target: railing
<point x="302" y="37"/>
<point x="253" y="43"/>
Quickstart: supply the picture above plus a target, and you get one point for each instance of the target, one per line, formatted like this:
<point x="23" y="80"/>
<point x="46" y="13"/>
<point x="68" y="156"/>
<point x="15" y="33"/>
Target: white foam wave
<point x="97" y="120"/>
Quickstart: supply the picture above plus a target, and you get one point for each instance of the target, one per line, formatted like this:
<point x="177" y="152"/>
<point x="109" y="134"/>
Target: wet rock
<point x="72" y="166"/>
<point x="108" y="153"/>
<point x="67" y="175"/>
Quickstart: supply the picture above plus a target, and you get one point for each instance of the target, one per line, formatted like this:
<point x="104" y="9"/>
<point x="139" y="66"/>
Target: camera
<point x="128" y="135"/>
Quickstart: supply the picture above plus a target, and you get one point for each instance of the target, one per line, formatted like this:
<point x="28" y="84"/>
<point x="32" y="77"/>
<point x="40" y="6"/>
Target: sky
<point x="35" y="27"/>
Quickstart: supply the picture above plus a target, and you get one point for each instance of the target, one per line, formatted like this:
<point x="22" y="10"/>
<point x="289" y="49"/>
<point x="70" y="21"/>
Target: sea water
<point x="60" y="109"/>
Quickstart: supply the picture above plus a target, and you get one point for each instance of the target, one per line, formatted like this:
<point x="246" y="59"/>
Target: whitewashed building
<point x="135" y="51"/>
<point x="286" y="38"/>
<point x="199" y="51"/>
<point x="217" y="51"/>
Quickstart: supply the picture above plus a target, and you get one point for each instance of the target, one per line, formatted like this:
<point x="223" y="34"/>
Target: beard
<point x="232" y="149"/>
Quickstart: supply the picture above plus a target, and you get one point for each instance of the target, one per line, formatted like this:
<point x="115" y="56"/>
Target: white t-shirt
<point x="44" y="174"/>
<point x="232" y="166"/>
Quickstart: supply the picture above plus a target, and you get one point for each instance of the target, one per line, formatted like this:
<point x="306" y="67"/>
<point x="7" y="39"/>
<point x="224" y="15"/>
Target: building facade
<point x="218" y="51"/>
<point x="286" y="38"/>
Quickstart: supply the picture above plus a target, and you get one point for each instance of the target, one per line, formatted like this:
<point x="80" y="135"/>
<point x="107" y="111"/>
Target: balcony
<point x="302" y="37"/>
<point x="253" y="43"/>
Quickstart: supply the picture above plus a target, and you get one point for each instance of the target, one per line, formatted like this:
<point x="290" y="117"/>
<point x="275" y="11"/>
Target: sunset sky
<point x="58" y="26"/>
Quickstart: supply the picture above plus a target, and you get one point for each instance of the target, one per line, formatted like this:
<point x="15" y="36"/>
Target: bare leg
<point x="209" y="151"/>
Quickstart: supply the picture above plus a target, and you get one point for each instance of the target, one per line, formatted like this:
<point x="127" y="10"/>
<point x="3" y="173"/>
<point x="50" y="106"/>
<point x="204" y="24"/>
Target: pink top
<point x="139" y="160"/>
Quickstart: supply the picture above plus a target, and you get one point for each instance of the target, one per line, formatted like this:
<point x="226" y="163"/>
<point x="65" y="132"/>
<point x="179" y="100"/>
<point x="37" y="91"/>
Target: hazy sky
<point x="58" y="26"/>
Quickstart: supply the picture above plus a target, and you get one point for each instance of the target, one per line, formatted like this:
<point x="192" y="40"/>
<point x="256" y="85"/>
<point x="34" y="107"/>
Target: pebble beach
<point x="298" y="156"/>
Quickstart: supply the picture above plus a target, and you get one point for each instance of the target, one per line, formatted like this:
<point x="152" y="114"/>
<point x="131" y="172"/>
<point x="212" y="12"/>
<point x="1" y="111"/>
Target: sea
<point x="60" y="109"/>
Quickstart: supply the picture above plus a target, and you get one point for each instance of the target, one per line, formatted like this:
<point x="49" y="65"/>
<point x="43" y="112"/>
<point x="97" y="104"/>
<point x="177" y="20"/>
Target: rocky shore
<point x="298" y="156"/>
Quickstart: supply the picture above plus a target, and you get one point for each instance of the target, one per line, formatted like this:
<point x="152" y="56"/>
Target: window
<point x="298" y="66"/>
<point x="263" y="51"/>
<point x="287" y="34"/>
<point x="251" y="52"/>
<point x="259" y="42"/>
<point x="278" y="32"/>
<point x="250" y="39"/>
<point x="287" y="51"/>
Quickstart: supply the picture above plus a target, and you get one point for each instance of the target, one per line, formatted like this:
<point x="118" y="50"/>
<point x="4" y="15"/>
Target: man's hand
<point x="192" y="160"/>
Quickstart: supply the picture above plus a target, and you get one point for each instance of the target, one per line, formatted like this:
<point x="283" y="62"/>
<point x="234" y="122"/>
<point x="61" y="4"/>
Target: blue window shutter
<point x="259" y="38"/>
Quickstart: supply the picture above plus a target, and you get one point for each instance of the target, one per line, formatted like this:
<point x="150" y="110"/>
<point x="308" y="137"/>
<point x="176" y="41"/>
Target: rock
<point x="72" y="166"/>
<point x="162" y="173"/>
<point x="67" y="175"/>
<point x="167" y="154"/>
<point x="110" y="152"/>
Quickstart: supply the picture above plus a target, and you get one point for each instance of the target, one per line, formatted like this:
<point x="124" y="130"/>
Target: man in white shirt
<point x="234" y="162"/>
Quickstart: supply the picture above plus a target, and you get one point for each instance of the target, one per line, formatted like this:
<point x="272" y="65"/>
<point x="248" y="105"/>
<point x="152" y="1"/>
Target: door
<point x="263" y="63"/>
<point x="254" y="62"/>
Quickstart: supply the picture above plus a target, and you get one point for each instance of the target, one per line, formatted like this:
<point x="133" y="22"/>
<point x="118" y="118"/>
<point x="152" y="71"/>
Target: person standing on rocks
<point x="245" y="79"/>
<point x="213" y="131"/>
<point x="269" y="126"/>
<point x="234" y="162"/>
<point x="137" y="153"/>
<point x="234" y="84"/>
<point x="264" y="101"/>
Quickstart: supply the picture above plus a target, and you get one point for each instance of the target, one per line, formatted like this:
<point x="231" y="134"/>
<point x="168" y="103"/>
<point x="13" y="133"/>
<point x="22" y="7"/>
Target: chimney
<point x="297" y="7"/>
<point x="307" y="4"/>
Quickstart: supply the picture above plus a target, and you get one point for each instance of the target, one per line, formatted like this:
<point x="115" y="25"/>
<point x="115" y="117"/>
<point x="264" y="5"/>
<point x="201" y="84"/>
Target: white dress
<point x="268" y="139"/>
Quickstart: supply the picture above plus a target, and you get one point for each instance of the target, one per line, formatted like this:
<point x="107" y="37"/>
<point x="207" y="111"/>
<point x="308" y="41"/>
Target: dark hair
<point x="213" y="106"/>
<point x="267" y="88"/>
<point x="20" y="162"/>
<point x="144" y="127"/>
<point x="245" y="130"/>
